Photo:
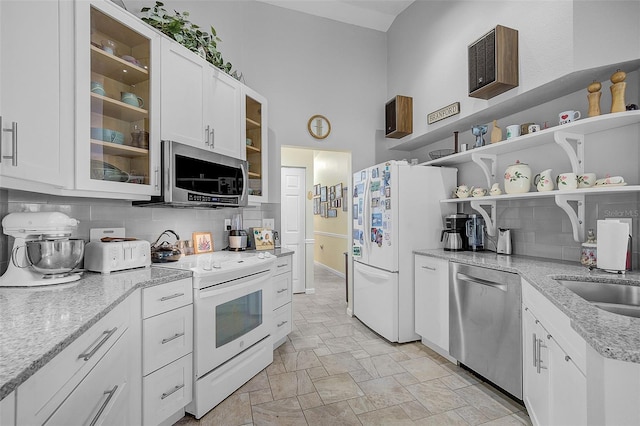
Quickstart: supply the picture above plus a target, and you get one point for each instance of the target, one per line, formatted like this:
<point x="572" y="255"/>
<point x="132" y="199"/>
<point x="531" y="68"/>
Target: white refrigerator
<point x="396" y="209"/>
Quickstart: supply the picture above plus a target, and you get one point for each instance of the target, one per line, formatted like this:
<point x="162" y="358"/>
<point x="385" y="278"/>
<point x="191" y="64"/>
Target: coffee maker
<point x="453" y="234"/>
<point x="474" y="230"/>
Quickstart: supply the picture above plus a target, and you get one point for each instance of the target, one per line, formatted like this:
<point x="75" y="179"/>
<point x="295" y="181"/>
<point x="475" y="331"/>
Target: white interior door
<point x="293" y="221"/>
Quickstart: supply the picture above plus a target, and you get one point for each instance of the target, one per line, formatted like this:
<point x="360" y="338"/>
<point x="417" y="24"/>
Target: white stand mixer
<point x="33" y="227"/>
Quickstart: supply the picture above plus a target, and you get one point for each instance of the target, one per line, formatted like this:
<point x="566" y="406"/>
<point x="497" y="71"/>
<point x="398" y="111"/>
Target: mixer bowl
<point x="54" y="257"/>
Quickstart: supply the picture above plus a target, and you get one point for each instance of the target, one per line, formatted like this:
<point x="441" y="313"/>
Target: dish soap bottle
<point x="589" y="255"/>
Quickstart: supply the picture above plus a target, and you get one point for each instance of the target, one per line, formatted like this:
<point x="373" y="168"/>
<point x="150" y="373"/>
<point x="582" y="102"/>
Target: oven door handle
<point x="243" y="283"/>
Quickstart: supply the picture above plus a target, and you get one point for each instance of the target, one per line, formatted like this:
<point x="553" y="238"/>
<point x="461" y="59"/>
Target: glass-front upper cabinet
<point x="256" y="134"/>
<point x="117" y="131"/>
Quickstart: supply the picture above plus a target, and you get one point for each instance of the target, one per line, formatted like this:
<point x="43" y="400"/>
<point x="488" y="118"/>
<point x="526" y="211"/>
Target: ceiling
<point x="374" y="14"/>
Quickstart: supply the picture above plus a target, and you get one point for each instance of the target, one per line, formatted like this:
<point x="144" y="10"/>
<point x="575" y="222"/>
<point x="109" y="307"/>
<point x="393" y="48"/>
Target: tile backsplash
<point x="539" y="228"/>
<point x="145" y="223"/>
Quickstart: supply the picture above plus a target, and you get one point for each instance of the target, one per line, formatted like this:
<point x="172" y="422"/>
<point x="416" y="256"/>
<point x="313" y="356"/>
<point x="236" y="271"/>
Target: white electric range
<point x="232" y="322"/>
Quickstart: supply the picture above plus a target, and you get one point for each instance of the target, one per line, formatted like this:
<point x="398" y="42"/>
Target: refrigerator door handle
<point x="373" y="274"/>
<point x="367" y="212"/>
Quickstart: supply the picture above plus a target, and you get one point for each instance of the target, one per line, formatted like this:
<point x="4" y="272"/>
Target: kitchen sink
<point x="620" y="299"/>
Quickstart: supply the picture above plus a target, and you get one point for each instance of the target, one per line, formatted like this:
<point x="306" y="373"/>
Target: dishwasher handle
<point x="475" y="280"/>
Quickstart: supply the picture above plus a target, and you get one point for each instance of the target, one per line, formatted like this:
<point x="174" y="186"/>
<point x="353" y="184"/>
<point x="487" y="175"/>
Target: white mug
<point x="568" y="116"/>
<point x="566" y="181"/>
<point x="513" y="131"/>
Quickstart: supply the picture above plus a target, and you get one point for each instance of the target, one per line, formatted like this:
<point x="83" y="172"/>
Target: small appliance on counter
<point x="109" y="250"/>
<point x="613" y="245"/>
<point x="453" y="234"/>
<point x="42" y="253"/>
<point x="503" y="246"/>
<point x="164" y="251"/>
<point x="237" y="235"/>
<point x="475" y="229"/>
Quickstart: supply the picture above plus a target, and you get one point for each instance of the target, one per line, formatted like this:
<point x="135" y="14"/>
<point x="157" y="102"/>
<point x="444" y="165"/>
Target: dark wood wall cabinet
<point x="399" y="117"/>
<point x="493" y="63"/>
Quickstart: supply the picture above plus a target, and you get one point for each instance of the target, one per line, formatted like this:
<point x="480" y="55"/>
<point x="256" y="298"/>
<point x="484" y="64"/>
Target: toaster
<point x="115" y="253"/>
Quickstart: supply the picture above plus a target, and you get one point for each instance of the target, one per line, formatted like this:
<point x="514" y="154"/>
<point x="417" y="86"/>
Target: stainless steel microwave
<point x="194" y="177"/>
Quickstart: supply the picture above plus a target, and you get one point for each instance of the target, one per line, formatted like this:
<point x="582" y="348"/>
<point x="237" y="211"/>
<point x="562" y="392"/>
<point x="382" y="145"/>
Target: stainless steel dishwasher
<point x="485" y="331"/>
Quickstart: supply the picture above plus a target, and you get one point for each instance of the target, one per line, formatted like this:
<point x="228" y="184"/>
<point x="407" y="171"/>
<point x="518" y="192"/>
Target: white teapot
<point x="463" y="191"/>
<point x="517" y="178"/>
<point x="544" y="181"/>
<point x="495" y="189"/>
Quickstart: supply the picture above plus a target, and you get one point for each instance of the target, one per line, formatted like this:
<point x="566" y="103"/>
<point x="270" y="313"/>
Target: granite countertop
<point x="37" y="323"/>
<point x="613" y="336"/>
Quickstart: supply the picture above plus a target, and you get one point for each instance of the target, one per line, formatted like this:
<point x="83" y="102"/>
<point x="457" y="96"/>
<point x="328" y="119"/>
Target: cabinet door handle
<point x="175" y="336"/>
<point x="157" y="177"/>
<point x="14" y="143"/>
<point x="567" y="358"/>
<point x="172" y="391"/>
<point x="173" y="296"/>
<point x="282" y="323"/>
<point x="540" y="366"/>
<point x="282" y="290"/>
<point x="535" y="350"/>
<point x="213" y="138"/>
<point x="107" y="334"/>
<point x="282" y="265"/>
<point x="428" y="267"/>
<point x="206" y="132"/>
<point x="104" y="404"/>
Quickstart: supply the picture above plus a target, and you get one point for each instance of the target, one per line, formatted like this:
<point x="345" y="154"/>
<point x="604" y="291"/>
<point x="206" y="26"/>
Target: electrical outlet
<point x="268" y="223"/>
<point x="227" y="224"/>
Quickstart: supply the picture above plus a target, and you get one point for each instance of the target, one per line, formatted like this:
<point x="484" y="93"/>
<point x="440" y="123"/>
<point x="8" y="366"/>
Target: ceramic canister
<point x="517" y="178"/>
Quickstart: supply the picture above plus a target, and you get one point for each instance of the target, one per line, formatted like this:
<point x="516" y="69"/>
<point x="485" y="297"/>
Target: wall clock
<point x="319" y="126"/>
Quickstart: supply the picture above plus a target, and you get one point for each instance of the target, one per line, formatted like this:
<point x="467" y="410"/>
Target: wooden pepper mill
<point x="594" y="98"/>
<point x="617" y="91"/>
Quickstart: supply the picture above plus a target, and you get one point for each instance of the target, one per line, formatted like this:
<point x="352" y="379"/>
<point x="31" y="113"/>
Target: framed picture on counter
<point x="202" y="242"/>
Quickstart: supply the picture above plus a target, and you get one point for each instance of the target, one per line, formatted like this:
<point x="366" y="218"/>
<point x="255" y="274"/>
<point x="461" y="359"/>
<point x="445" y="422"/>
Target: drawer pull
<point x="107" y="334"/>
<point x="175" y="336"/>
<point x="282" y="290"/>
<point x="173" y="296"/>
<point x="282" y="323"/>
<point x="282" y="265"/>
<point x="172" y="391"/>
<point x="429" y="268"/>
<point x="104" y="404"/>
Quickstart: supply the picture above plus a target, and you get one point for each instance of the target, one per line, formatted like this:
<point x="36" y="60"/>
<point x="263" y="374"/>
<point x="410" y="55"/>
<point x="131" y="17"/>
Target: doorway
<point x="326" y="235"/>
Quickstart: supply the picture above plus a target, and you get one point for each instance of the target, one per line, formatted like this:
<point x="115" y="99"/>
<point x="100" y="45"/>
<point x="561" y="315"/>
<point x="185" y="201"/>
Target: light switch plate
<point x="268" y="223"/>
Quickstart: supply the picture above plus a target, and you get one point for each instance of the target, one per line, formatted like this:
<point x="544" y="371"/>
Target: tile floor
<point x="334" y="371"/>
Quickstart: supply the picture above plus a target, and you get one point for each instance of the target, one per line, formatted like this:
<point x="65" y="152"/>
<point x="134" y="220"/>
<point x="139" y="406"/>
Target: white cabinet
<point x="200" y="104"/>
<point x="432" y="302"/>
<point x="97" y="377"/>
<point x="555" y="386"/>
<point x="117" y="101"/>
<point x="8" y="410"/>
<point x="255" y="134"/>
<point x="282" y="310"/>
<point x="30" y="64"/>
<point x="167" y="346"/>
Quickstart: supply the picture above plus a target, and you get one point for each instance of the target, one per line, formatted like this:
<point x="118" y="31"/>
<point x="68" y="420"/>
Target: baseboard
<point x="350" y="312"/>
<point x="327" y="268"/>
<point x="310" y="291"/>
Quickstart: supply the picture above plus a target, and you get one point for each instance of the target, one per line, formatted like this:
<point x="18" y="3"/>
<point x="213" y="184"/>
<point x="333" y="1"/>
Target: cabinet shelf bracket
<point x="489" y="218"/>
<point x="576" y="157"/>
<point x="489" y="169"/>
<point x="576" y="216"/>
